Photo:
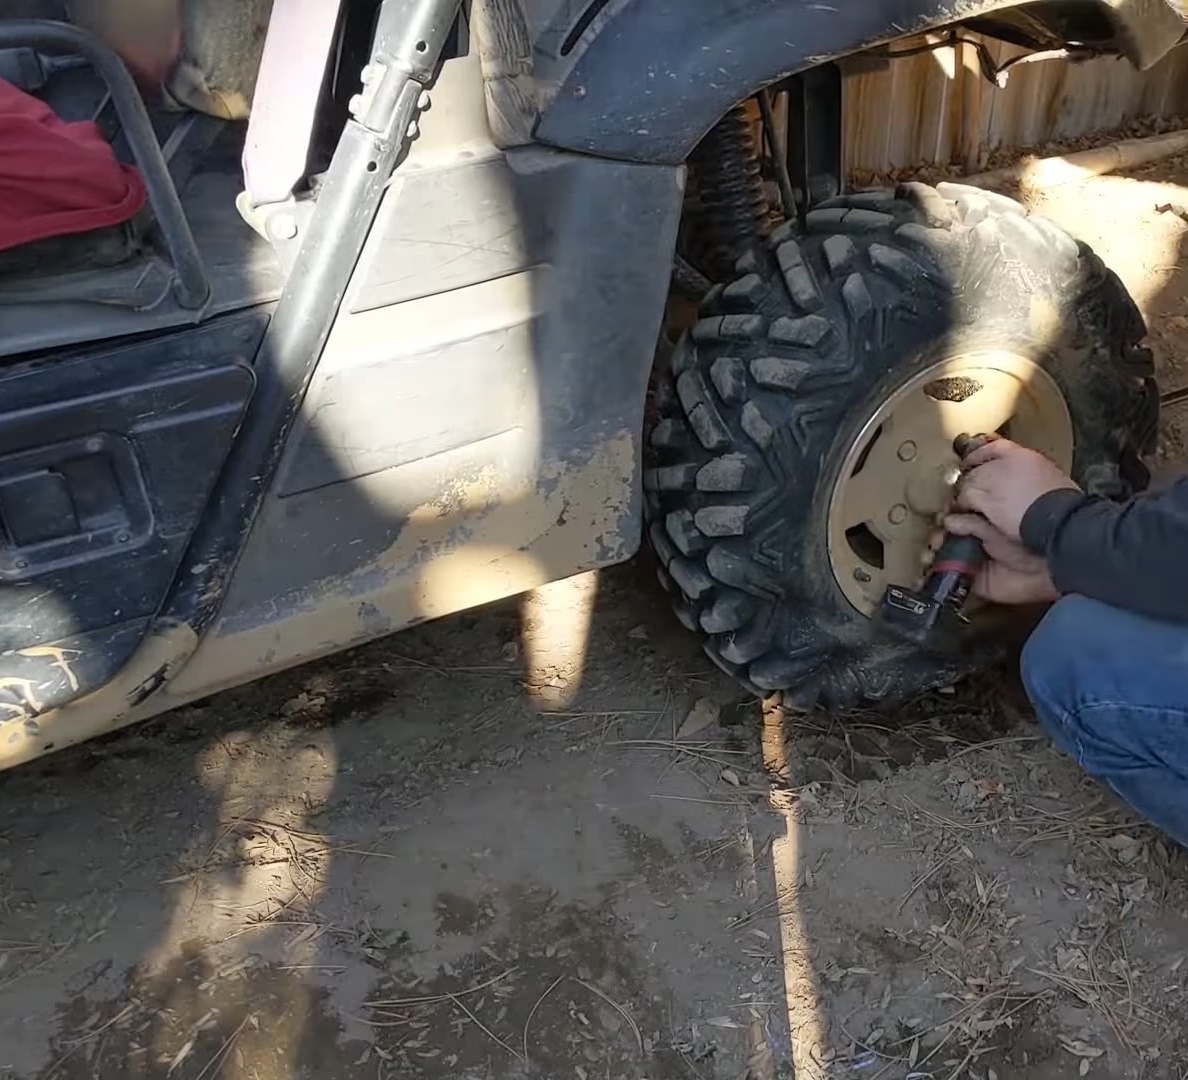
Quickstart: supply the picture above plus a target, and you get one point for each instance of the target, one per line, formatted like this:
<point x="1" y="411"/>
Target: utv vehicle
<point x="383" y="344"/>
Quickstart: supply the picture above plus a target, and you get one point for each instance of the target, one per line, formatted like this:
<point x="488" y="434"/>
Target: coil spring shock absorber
<point x="730" y="186"/>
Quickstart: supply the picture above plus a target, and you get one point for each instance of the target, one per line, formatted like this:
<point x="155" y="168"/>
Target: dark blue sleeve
<point x="1133" y="555"/>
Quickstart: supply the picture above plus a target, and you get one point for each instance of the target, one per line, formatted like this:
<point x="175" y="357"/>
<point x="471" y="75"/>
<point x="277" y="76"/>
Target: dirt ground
<point x="463" y="852"/>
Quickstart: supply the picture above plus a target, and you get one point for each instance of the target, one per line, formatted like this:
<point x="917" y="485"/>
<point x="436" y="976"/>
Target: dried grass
<point x="483" y="1027"/>
<point x="434" y="999"/>
<point x="617" y="1007"/>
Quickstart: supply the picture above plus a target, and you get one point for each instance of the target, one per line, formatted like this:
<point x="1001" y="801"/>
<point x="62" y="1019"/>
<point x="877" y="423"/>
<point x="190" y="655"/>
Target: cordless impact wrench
<point x="930" y="617"/>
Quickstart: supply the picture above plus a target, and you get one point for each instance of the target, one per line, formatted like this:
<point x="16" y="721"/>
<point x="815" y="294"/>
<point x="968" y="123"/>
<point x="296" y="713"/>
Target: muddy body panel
<point x="471" y="430"/>
<point x="473" y="427"/>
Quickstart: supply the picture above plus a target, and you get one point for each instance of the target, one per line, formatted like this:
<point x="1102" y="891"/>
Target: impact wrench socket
<point x="930" y="617"/>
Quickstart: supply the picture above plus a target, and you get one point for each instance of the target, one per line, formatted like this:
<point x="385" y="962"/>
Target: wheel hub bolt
<point x="861" y="575"/>
<point x="897" y="515"/>
<point x="907" y="451"/>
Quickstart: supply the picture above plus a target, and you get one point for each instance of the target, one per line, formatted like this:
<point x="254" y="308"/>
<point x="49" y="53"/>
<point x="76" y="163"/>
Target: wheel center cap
<point x="897" y="475"/>
<point x="930" y="487"/>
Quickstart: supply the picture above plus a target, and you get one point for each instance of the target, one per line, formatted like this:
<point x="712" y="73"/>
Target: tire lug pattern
<point x="691" y="579"/>
<point x="798" y="277"/>
<point x="724" y="520"/>
<point x="746" y="292"/>
<point x="706" y="421"/>
<point x="729" y="376"/>
<point x="730" y="472"/>
<point x="729" y="611"/>
<point x="782" y="366"/>
<point x="856" y="296"/>
<point x="684" y="533"/>
<point x="805" y="333"/>
<point x="778" y="373"/>
<point x="840" y="255"/>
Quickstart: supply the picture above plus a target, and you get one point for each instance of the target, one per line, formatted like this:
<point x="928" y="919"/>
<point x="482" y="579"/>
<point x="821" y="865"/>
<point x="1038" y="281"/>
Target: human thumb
<point x="970" y="525"/>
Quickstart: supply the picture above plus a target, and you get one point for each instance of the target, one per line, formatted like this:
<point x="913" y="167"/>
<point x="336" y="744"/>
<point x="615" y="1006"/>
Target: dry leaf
<point x="808" y="876"/>
<point x="986" y="788"/>
<point x="1069" y="958"/>
<point x="981" y="887"/>
<point x="703" y="714"/>
<point x="722" y="1022"/>
<point x="1136" y="890"/>
<point x="731" y="777"/>
<point x="181" y="1056"/>
<point x="1083" y="1068"/>
<point x="1080" y="1048"/>
<point x="914" y="1052"/>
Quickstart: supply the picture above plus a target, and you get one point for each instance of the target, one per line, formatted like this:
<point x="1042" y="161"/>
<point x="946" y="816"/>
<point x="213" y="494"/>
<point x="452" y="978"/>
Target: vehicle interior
<point x="201" y="247"/>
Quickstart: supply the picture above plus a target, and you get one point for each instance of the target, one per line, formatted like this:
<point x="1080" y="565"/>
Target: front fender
<point x="655" y="75"/>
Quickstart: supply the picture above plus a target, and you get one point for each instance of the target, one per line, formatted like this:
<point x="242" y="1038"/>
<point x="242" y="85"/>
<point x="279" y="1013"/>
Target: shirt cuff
<point x="1046" y="515"/>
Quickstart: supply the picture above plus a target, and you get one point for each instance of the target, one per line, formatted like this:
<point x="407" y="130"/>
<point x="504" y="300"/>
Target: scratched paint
<point x="27" y="732"/>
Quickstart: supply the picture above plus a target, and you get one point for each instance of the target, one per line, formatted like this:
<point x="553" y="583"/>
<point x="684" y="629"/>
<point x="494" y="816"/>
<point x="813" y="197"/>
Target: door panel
<point x="106" y="462"/>
<point x="472" y="429"/>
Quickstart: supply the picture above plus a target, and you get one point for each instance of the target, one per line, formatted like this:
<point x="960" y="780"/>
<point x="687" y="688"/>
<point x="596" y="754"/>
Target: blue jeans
<point x="1111" y="688"/>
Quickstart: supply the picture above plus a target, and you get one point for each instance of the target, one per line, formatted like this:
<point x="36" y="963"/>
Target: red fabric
<point x="57" y="178"/>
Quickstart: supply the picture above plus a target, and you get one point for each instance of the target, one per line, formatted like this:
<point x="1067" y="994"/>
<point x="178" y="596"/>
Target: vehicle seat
<point x="202" y="54"/>
<point x="197" y="56"/>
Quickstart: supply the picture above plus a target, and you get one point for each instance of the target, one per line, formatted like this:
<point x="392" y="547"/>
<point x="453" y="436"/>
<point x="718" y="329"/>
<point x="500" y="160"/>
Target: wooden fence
<point x="936" y="107"/>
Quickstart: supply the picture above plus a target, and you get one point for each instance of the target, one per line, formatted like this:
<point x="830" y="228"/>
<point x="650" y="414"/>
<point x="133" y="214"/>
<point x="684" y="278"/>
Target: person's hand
<point x="1001" y="481"/>
<point x="1011" y="573"/>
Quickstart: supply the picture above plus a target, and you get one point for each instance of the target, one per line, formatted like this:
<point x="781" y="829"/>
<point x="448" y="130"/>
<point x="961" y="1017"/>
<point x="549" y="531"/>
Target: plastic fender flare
<point x="653" y="77"/>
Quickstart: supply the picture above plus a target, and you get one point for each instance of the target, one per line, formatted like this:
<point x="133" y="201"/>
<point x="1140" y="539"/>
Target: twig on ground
<point x="532" y="1012"/>
<point x="947" y="823"/>
<point x="617" y="1007"/>
<point x="929" y="873"/>
<point x="437" y="669"/>
<point x="483" y="1027"/>
<point x="710" y="802"/>
<point x="788" y="894"/>
<point x="972" y="1053"/>
<point x="224" y="1051"/>
<point x="1093" y="993"/>
<point x="430" y="999"/>
<point x="37" y="967"/>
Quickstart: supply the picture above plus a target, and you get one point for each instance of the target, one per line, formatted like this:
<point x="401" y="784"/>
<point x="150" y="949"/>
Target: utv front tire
<point x="771" y="393"/>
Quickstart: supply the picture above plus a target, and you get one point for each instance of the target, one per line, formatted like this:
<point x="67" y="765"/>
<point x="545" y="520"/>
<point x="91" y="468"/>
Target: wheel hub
<point x="898" y="474"/>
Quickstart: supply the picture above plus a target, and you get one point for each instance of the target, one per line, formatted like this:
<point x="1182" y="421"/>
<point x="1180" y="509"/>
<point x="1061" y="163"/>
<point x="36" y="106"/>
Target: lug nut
<point x="861" y="576"/>
<point x="907" y="451"/>
<point x="897" y="515"/>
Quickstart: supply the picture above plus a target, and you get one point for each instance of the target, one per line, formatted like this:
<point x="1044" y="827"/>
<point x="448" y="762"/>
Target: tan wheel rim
<point x="898" y="474"/>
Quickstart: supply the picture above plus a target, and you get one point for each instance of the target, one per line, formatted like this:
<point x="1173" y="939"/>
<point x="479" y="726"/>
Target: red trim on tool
<point x="960" y="567"/>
